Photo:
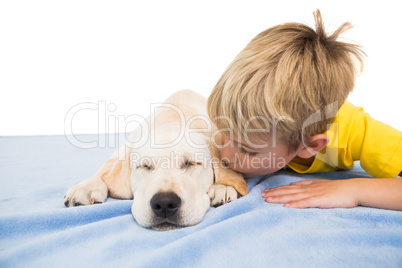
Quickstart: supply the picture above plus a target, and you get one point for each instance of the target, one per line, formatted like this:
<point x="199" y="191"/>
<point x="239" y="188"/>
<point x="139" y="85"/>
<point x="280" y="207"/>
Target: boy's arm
<point x="379" y="149"/>
<point x="379" y="193"/>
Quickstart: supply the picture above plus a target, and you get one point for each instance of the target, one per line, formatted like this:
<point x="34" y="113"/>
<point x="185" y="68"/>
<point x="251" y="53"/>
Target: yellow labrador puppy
<point x="169" y="166"/>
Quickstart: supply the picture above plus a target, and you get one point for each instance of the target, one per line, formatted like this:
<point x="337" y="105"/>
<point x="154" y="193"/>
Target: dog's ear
<point x="116" y="174"/>
<point x="224" y="175"/>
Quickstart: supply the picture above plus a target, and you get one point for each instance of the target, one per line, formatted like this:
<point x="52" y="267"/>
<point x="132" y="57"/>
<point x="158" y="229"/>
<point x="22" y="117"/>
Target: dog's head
<point x="170" y="183"/>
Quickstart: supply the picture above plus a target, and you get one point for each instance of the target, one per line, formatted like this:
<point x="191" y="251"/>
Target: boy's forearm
<point x="379" y="193"/>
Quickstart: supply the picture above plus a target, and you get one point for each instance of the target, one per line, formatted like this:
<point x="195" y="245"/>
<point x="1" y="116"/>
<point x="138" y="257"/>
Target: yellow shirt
<point x="355" y="136"/>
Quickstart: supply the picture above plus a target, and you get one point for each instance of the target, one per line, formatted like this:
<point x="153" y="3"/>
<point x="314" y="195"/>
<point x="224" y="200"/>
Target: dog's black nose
<point x="165" y="205"/>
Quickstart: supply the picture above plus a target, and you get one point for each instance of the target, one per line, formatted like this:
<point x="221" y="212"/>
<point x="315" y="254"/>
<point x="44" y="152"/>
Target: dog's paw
<point x="88" y="192"/>
<point x="220" y="194"/>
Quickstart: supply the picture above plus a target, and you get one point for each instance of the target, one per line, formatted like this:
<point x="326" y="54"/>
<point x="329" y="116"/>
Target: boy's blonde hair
<point x="282" y="77"/>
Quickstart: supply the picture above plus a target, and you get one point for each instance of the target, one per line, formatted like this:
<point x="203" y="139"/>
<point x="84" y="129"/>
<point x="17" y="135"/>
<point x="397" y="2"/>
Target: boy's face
<point x="255" y="159"/>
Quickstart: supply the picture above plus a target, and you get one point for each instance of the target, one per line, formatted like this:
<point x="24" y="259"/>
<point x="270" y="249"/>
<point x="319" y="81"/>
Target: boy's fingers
<point x="303" y="203"/>
<point x="286" y="198"/>
<point x="283" y="187"/>
<point x="300" y="183"/>
<point x="283" y="191"/>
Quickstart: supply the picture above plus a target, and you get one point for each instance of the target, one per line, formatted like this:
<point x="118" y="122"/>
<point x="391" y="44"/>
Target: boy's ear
<point x="314" y="144"/>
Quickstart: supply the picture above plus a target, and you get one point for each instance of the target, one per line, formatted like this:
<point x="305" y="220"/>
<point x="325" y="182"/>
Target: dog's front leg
<point x="88" y="192"/>
<point x="220" y="194"/>
<point x="229" y="185"/>
<point x="113" y="179"/>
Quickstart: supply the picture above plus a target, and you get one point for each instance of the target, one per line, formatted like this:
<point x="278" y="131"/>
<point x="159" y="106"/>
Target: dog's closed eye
<point x="188" y="164"/>
<point x="145" y="167"/>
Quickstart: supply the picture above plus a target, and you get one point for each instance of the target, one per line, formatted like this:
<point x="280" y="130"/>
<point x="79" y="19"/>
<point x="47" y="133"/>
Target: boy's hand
<point x="314" y="193"/>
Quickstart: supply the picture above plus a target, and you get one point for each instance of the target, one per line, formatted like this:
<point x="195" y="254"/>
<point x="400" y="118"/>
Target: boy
<point x="282" y="102"/>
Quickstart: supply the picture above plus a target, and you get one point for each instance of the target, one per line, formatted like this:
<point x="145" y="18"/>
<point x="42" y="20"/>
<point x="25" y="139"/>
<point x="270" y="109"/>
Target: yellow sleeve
<point x="377" y="146"/>
<point x="354" y="135"/>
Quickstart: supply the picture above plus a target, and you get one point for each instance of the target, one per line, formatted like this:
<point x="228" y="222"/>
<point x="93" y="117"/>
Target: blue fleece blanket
<point x="36" y="230"/>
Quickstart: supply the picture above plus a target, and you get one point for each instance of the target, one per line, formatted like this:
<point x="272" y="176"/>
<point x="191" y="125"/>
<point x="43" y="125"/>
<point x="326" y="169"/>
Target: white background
<point x="127" y="54"/>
